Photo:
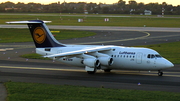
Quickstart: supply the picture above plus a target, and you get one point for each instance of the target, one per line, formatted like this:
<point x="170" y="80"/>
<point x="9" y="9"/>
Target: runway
<point x="14" y="68"/>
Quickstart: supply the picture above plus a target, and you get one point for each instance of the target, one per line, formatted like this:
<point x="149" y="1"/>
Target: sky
<point x="173" y="2"/>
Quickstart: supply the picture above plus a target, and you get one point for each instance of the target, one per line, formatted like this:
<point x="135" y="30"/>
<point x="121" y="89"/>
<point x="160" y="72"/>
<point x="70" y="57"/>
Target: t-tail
<point x="41" y="34"/>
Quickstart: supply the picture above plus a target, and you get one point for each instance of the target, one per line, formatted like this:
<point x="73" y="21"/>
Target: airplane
<point x="94" y="57"/>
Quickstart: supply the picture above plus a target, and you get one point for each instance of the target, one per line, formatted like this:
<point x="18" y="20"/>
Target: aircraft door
<point x="139" y="58"/>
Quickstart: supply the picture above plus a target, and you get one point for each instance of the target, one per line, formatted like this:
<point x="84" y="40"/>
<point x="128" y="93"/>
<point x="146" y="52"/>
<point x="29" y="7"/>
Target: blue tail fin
<point x="41" y="34"/>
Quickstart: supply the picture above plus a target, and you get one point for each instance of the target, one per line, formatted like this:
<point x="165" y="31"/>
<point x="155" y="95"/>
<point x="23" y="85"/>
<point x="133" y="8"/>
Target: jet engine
<point x="106" y="61"/>
<point x="91" y="62"/>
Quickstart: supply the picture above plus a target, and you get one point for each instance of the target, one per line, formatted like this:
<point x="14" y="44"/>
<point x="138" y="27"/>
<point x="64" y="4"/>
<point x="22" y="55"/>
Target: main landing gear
<point x="91" y="70"/>
<point x="105" y="70"/>
<point x="160" y="73"/>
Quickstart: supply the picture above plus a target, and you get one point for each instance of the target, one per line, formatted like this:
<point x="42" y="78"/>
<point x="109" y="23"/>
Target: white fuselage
<point x="129" y="58"/>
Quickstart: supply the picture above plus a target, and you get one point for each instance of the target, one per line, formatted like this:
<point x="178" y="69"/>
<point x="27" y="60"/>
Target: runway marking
<point x="162" y="36"/>
<point x="6" y="49"/>
<point x="152" y="73"/>
<point x="17" y="46"/>
<point x="40" y="68"/>
<point x="147" y="35"/>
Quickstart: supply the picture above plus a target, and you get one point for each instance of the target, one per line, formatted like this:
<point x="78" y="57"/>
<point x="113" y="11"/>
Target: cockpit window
<point x="158" y="56"/>
<point x="153" y="56"/>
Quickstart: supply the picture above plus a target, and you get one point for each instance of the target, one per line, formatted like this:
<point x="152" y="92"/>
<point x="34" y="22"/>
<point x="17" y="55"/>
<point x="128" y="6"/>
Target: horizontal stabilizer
<point x="26" y="22"/>
<point x="40" y="33"/>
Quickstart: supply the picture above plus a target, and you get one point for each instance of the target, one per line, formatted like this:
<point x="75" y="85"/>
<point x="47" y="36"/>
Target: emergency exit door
<point x="139" y="58"/>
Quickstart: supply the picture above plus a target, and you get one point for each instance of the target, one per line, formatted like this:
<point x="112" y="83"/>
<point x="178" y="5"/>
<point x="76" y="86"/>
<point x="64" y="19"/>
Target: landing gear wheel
<point x="107" y="70"/>
<point x="160" y="73"/>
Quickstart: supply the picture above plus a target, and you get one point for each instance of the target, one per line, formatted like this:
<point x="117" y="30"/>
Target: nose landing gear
<point x="160" y="73"/>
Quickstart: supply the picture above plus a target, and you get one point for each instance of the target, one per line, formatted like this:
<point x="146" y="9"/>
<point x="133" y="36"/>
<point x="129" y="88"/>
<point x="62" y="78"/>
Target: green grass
<point x="8" y="35"/>
<point x="18" y="91"/>
<point x="14" y="35"/>
<point x="95" y="20"/>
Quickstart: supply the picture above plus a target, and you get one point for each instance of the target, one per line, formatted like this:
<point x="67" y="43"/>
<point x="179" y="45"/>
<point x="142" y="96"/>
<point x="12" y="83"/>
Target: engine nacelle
<point x="106" y="61"/>
<point x="91" y="62"/>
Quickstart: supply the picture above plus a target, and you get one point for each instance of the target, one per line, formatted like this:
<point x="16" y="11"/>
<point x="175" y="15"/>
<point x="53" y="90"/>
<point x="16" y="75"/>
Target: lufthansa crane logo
<point x="39" y="35"/>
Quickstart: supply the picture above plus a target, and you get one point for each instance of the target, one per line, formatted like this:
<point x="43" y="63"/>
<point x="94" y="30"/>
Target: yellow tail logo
<point x="39" y="35"/>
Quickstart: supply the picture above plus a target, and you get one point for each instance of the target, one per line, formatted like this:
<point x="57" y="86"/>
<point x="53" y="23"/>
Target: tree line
<point x="121" y="7"/>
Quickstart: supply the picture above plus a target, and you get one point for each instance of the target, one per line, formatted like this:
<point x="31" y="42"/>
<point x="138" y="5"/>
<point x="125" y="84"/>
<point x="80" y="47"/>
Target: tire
<point x="160" y="73"/>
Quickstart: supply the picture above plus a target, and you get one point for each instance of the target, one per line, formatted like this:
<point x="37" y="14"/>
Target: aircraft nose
<point x="164" y="63"/>
<point x="168" y="64"/>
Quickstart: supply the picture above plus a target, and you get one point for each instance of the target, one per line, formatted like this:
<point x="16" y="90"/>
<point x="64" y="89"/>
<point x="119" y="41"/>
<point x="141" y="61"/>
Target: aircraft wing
<point x="82" y="51"/>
